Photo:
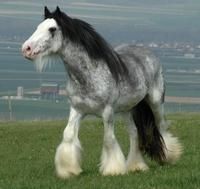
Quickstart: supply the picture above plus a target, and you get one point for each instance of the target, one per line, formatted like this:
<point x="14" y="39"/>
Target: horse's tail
<point x="150" y="140"/>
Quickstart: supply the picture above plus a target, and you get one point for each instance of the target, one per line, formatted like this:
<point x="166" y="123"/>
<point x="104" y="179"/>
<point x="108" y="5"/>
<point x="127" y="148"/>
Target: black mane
<point x="82" y="33"/>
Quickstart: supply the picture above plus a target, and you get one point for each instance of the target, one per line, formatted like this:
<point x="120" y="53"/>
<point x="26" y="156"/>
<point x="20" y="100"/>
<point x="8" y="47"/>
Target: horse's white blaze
<point x="42" y="44"/>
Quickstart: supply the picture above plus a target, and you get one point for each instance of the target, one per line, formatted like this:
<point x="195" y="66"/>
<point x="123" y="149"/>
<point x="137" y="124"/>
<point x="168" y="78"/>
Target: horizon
<point x="170" y="29"/>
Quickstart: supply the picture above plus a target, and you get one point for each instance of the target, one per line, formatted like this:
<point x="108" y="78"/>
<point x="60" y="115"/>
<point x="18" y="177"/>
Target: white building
<point x="20" y="92"/>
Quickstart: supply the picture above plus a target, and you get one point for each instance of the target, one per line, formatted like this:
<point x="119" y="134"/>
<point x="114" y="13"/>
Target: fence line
<point x="11" y="110"/>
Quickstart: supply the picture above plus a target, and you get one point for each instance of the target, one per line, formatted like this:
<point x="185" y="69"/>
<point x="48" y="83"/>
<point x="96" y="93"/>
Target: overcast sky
<point x="129" y="17"/>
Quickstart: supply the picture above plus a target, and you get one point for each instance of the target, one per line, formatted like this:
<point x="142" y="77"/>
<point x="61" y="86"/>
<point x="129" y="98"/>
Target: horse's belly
<point x="86" y="105"/>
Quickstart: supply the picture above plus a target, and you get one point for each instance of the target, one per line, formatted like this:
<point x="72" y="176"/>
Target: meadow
<point x="27" y="154"/>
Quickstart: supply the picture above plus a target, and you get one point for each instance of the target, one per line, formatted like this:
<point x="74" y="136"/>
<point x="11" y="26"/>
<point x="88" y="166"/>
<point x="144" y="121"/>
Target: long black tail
<point x="150" y="139"/>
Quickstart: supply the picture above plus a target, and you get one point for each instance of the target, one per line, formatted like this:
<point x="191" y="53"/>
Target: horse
<point x="104" y="81"/>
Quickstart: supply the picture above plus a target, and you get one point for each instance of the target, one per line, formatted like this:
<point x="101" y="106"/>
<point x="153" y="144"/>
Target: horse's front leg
<point x="68" y="157"/>
<point x="112" y="159"/>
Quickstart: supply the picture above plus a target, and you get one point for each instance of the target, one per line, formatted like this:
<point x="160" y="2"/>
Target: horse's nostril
<point x="28" y="48"/>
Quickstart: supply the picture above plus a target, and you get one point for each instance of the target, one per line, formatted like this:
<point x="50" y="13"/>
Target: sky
<point x="117" y="20"/>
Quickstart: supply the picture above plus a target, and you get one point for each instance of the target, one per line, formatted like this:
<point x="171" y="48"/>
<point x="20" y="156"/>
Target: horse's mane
<point x="82" y="33"/>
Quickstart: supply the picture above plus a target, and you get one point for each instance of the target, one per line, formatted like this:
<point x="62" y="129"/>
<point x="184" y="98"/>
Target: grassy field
<point x="27" y="154"/>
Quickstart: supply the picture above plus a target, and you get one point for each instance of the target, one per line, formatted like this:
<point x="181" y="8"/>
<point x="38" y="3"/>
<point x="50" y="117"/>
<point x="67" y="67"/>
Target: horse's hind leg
<point x="67" y="158"/>
<point x="112" y="159"/>
<point x="135" y="161"/>
<point x="173" y="148"/>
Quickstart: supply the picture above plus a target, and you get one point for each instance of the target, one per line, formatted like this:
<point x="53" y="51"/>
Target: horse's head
<point x="62" y="35"/>
<point x="46" y="40"/>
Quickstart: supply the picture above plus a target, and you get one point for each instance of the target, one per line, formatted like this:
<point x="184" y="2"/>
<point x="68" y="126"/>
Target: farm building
<point x="49" y="91"/>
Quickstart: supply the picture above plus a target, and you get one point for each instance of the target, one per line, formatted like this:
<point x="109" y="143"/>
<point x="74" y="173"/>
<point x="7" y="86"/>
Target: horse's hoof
<point x="141" y="166"/>
<point x="63" y="174"/>
<point x="113" y="170"/>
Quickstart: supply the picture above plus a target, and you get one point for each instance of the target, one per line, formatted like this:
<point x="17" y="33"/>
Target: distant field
<point x="34" y="110"/>
<point x="27" y="153"/>
<point x="182" y="75"/>
<point x="50" y="110"/>
<point x="184" y="100"/>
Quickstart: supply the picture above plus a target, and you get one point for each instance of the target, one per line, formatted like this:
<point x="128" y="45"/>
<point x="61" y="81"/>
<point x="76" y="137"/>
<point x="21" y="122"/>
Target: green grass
<point x="27" y="157"/>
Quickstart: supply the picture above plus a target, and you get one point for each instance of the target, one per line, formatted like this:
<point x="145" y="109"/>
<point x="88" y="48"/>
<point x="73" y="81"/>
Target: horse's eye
<point x="52" y="29"/>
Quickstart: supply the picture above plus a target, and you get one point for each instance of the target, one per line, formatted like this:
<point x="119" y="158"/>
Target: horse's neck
<point x="77" y="62"/>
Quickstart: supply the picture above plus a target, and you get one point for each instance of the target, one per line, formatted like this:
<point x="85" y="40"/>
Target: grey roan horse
<point x="103" y="82"/>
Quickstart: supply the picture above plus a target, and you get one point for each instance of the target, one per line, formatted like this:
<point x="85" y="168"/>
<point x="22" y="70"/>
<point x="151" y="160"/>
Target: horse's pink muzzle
<point x="28" y="51"/>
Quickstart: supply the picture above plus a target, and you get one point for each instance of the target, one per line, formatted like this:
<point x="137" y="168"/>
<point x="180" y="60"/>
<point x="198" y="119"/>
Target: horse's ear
<point x="58" y="11"/>
<point x="46" y="12"/>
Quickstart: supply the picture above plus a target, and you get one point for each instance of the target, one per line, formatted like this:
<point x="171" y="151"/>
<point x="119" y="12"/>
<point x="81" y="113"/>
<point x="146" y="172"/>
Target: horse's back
<point x="139" y="57"/>
<point x="144" y="68"/>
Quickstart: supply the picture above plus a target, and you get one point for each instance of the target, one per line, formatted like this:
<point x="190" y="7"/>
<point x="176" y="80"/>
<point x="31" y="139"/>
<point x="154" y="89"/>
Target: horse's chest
<point x="94" y="94"/>
<point x="90" y="101"/>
